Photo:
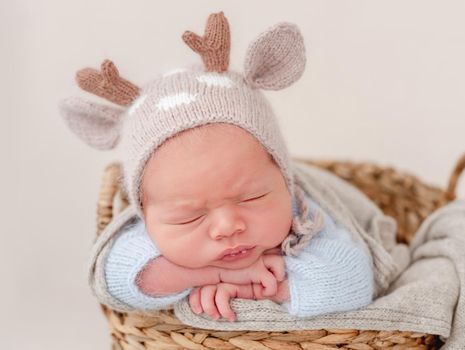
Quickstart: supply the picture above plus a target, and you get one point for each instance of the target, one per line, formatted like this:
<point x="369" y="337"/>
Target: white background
<point x="385" y="82"/>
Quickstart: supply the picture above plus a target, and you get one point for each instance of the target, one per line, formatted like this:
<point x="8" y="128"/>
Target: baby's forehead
<point x="210" y="136"/>
<point x="226" y="149"/>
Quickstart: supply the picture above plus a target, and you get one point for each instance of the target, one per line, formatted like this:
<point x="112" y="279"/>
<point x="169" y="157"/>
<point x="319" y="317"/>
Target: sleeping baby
<point x="215" y="205"/>
<point x="216" y="209"/>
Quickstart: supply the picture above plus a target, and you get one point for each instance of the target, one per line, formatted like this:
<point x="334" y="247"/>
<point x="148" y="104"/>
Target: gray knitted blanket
<point x="417" y="287"/>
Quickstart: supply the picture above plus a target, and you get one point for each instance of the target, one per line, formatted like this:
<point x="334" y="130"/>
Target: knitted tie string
<point x="303" y="228"/>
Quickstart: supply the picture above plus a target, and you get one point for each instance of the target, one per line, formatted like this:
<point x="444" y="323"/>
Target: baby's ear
<point x="276" y="58"/>
<point x="97" y="125"/>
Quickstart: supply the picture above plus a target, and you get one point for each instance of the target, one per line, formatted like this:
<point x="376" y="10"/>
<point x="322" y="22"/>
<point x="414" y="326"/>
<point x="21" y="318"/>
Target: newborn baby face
<point x="212" y="189"/>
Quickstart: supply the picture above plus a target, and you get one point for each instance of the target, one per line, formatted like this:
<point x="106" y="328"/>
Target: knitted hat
<point x="185" y="98"/>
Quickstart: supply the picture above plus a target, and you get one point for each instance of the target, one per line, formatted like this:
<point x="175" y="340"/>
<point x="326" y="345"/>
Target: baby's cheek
<point x="162" y="241"/>
<point x="277" y="224"/>
<point x="184" y="250"/>
<point x="279" y="229"/>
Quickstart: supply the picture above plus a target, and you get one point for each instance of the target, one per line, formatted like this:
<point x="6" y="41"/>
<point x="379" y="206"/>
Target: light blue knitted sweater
<point x="332" y="273"/>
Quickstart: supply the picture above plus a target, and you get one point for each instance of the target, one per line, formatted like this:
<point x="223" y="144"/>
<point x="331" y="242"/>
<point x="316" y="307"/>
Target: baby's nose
<point x="226" y="222"/>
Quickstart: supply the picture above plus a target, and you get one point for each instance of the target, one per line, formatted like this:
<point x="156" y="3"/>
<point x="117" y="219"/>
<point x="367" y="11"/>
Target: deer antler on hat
<point x="214" y="46"/>
<point x="108" y="84"/>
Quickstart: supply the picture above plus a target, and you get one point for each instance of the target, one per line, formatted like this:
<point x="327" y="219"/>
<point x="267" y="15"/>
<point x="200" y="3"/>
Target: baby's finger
<point x="194" y="300"/>
<point x="244" y="291"/>
<point x="223" y="295"/>
<point x="257" y="291"/>
<point x="207" y="299"/>
<point x="276" y="251"/>
<point x="275" y="264"/>
<point x="269" y="283"/>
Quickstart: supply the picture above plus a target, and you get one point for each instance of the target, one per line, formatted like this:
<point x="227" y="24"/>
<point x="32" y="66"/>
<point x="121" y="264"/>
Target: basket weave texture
<point x="398" y="194"/>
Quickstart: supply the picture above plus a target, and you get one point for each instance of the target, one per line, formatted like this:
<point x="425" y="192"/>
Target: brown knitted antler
<point x="107" y="84"/>
<point x="214" y="46"/>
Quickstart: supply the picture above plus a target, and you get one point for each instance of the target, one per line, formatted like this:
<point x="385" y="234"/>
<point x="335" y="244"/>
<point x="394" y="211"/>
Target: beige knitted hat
<point x="188" y="97"/>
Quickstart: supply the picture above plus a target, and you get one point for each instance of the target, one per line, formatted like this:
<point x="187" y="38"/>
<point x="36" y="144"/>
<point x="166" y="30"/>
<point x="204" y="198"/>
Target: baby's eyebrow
<point x="187" y="205"/>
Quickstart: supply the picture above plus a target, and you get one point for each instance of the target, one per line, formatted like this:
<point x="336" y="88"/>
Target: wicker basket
<point x="398" y="194"/>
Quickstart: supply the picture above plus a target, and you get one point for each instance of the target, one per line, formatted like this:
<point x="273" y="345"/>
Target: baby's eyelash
<point x="190" y="221"/>
<point x="251" y="199"/>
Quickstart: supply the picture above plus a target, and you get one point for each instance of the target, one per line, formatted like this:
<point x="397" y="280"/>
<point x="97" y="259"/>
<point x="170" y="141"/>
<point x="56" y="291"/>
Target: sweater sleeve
<point x="331" y="274"/>
<point x="130" y="252"/>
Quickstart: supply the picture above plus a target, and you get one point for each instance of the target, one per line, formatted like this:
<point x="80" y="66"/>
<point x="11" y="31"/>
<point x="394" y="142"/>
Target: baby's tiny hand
<point x="258" y="272"/>
<point x="214" y="299"/>
<point x="275" y="263"/>
<point x="281" y="295"/>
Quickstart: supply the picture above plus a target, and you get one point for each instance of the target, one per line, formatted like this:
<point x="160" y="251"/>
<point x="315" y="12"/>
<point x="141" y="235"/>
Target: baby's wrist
<point x="207" y="275"/>
<point x="228" y="276"/>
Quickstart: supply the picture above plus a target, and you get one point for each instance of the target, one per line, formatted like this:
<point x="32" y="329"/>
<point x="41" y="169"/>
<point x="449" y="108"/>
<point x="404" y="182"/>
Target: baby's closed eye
<point x="189" y="221"/>
<point x="254" y="198"/>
